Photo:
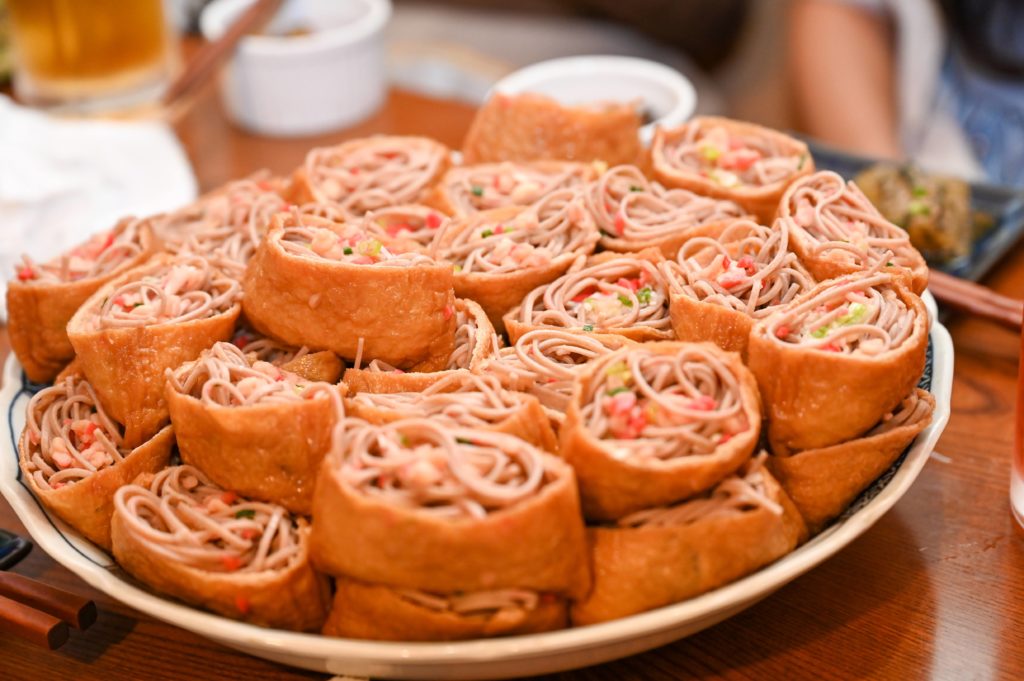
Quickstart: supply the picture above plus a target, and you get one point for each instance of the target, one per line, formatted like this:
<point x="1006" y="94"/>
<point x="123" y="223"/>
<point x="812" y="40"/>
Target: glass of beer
<point x="91" y="55"/>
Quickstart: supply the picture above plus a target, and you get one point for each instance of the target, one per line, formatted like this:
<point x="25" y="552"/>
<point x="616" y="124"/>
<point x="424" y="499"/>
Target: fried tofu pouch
<point x="823" y="482"/>
<point x="38" y="312"/>
<point x="400" y="315"/>
<point x="380" y="613"/>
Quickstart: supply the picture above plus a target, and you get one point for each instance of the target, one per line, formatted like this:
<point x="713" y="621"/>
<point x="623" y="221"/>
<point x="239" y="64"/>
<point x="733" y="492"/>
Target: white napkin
<point x="61" y="180"/>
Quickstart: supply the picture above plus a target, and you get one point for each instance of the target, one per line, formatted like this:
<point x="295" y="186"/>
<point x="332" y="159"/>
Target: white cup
<point x="667" y="96"/>
<point x="310" y="83"/>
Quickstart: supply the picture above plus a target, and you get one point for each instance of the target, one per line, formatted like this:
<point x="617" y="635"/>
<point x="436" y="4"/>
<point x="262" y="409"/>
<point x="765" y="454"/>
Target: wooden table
<point x="934" y="590"/>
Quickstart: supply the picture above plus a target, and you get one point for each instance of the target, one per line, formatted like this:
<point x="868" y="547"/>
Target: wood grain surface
<point x="934" y="590"/>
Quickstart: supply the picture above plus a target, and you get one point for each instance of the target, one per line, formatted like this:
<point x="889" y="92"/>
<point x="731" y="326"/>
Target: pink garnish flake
<point x="703" y="403"/>
<point x="448" y="312"/>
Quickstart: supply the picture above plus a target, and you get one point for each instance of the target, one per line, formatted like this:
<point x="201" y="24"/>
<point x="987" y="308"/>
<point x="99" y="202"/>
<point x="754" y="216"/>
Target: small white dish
<point x="668" y="97"/>
<point x="310" y="83"/>
<point x="498" y="658"/>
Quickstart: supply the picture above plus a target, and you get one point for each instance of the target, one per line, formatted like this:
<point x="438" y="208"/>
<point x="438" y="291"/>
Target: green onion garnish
<point x="245" y="513"/>
<point x="616" y="391"/>
<point x="624" y="299"/>
<point x="588" y="327"/>
<point x="644" y="295"/>
<point x="347" y="251"/>
<point x="478" y="191"/>
<point x="486" y="233"/>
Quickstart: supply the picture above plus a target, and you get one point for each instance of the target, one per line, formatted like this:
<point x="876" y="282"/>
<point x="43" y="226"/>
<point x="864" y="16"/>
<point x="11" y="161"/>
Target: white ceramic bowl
<point x="667" y="95"/>
<point x="307" y="84"/>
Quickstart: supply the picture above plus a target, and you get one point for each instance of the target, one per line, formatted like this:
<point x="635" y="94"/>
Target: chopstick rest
<point x="74" y="610"/>
<point x="32" y="625"/>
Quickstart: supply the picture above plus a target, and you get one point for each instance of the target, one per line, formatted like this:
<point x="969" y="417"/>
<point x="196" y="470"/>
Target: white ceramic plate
<point x="484" y="659"/>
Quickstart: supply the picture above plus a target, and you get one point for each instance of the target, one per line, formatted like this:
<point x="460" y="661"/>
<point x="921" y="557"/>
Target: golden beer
<point x="89" y="50"/>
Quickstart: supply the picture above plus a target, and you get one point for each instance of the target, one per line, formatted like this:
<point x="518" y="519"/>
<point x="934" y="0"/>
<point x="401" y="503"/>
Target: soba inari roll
<point x="43" y="297"/>
<point x="831" y="363"/>
<point x="610" y="293"/>
<point x="654" y="424"/>
<point x="464" y="400"/>
<point x="836" y="231"/>
<point x="718" y="287"/>
<point x="659" y="556"/>
<point x="469" y="189"/>
<point x="475" y="342"/>
<point x="183" y="536"/>
<point x="252" y="427"/>
<point x="532" y="127"/>
<point x="150" y="319"/>
<point x="823" y="482"/>
<point x="500" y="255"/>
<point x="383" y="613"/>
<point x="634" y="213"/>
<point x="74" y="457"/>
<point x="367" y="174"/>
<point x="731" y="160"/>
<point x="420" y="505"/>
<point x="332" y="286"/>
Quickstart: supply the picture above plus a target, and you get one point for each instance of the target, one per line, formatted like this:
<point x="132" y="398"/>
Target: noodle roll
<point x="464" y="400"/>
<point x="475" y="341"/>
<point x="833" y="361"/>
<point x="370" y="173"/>
<point x="823" y="482"/>
<point x="532" y="127"/>
<point x="185" y="537"/>
<point x="836" y="230"/>
<point x="501" y="255"/>
<point x="370" y="611"/>
<point x="332" y="286"/>
<point x="659" y="556"/>
<point x="74" y="457"/>
<point x="408" y="227"/>
<point x="465" y="190"/>
<point x="613" y="293"/>
<point x="731" y="160"/>
<point x="252" y="427"/>
<point x="544" y="362"/>
<point x="226" y="225"/>
<point x="719" y="286"/>
<point x="634" y="213"/>
<point x="42" y="298"/>
<point x="654" y="424"/>
<point x="147" y="320"/>
<point x="421" y="505"/>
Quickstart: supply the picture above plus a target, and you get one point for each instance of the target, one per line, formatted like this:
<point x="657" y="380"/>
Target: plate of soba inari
<point x="404" y="413"/>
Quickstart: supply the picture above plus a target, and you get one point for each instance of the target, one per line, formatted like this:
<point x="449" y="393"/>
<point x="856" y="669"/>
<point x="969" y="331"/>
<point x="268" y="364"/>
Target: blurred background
<point x="935" y="80"/>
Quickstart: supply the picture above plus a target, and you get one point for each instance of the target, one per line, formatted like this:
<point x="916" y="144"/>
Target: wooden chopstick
<point x="966" y="296"/>
<point x="208" y="60"/>
<point x="33" y="625"/>
<point x="75" y="610"/>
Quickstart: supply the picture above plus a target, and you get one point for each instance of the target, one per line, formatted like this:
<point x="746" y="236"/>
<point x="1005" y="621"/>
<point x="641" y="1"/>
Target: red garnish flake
<point x="725" y="438"/>
<point x="747" y="263"/>
<point x="362" y="260"/>
<point x="620" y="225"/>
<point x="108" y="243"/>
<point x="241" y="342"/>
<point x="265" y="185"/>
<point x="726" y="263"/>
<point x="228" y="497"/>
<point x="703" y="403"/>
<point x="355" y="171"/>
<point x="583" y="295"/>
<point x="499" y="229"/>
<point x="782" y="332"/>
<point x="395" y="228"/>
<point x="448" y="312"/>
<point x="242" y="603"/>
<point x="644" y="279"/>
<point x="26" y="273"/>
<point x="831" y="347"/>
<point x="119" y="300"/>
<point x="231" y="563"/>
<point x="433" y="220"/>
<point x="730" y="283"/>
<point x="496" y="182"/>
<point x="248" y="533"/>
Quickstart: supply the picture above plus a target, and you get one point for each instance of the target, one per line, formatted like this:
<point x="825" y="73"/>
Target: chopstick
<point x="966" y="296"/>
<point x="41" y="613"/>
<point x="208" y="60"/>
